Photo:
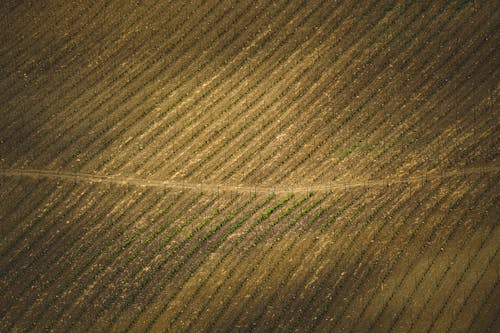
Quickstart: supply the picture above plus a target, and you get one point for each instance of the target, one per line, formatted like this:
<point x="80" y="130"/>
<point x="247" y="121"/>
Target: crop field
<point x="249" y="166"/>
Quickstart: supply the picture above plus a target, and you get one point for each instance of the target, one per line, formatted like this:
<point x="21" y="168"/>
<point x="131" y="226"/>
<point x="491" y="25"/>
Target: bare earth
<point x="249" y="166"/>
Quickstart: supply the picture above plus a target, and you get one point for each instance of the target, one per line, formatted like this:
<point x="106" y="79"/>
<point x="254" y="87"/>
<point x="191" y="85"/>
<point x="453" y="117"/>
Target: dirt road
<point x="246" y="188"/>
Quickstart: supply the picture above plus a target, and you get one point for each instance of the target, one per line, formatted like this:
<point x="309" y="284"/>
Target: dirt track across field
<point x="278" y="188"/>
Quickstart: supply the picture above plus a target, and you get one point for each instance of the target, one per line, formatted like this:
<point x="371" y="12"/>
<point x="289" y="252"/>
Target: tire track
<point x="422" y="177"/>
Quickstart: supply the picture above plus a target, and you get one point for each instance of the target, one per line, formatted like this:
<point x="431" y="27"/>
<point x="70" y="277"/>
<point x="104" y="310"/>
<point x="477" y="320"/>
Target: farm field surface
<point x="249" y="166"/>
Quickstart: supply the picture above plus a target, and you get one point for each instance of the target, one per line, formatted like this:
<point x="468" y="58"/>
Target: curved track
<point x="209" y="187"/>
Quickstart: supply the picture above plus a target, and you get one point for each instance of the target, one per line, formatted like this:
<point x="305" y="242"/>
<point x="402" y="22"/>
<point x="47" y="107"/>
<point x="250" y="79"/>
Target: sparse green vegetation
<point x="253" y="166"/>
